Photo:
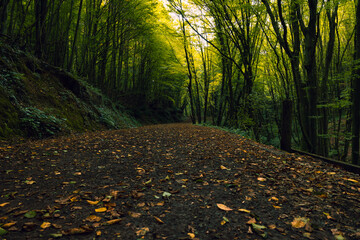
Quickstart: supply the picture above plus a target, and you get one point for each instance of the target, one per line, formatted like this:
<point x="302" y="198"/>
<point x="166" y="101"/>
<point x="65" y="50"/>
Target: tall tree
<point x="356" y="90"/>
<point x="40" y="32"/>
<point x="3" y="15"/>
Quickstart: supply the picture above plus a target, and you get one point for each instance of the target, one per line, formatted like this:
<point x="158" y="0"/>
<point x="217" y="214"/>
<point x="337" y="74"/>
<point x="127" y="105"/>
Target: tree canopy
<point x="284" y="72"/>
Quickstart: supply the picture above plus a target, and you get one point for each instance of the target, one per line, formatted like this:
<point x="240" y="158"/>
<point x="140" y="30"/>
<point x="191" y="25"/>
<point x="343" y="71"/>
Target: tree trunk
<point x="286" y="125"/>
<point x="40" y="35"/>
<point x="323" y="130"/>
<point x="356" y="91"/>
<point x="3" y="15"/>
<point x="70" y="62"/>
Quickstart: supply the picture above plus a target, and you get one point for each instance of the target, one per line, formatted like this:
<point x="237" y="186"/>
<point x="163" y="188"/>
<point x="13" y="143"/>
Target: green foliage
<point x="114" y="120"/>
<point x="38" y="124"/>
<point x="9" y="119"/>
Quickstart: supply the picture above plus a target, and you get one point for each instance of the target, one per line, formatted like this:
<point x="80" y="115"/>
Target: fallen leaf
<point x="261" y="179"/>
<point x="257" y="227"/>
<point x="92" y="202"/>
<point x="29" y="182"/>
<point x="74" y="231"/>
<point x="56" y="235"/>
<point x="272" y="226"/>
<point x="45" y="225"/>
<point x="166" y="194"/>
<point x="351" y="180"/>
<point x="251" y="221"/>
<point x="328" y="215"/>
<point x="307" y="235"/>
<point x="244" y="210"/>
<point x="93" y="218"/>
<point x="223" y="207"/>
<point x="277" y="207"/>
<point x="142" y="231"/>
<point x="339" y="237"/>
<point x="100" y="210"/>
<point x="337" y="234"/>
<point x="30" y="214"/>
<point x="98" y="233"/>
<point x="3" y="231"/>
<point x="141" y="204"/>
<point x="191" y="235"/>
<point x="299" y="222"/>
<point x="147" y="182"/>
<point x="113" y="221"/>
<point x="74" y="199"/>
<point x="140" y="170"/>
<point x="224" y="168"/>
<point x="4" y="204"/>
<point x="273" y="199"/>
<point x="8" y="225"/>
<point x="57" y="226"/>
<point x="158" y="220"/>
<point x="134" y="214"/>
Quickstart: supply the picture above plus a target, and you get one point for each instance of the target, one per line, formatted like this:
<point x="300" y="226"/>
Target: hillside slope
<point x="38" y="100"/>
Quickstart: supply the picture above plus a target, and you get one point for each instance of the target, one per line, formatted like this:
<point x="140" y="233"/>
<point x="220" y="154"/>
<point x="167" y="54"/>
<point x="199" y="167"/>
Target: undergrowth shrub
<point x="38" y="124"/>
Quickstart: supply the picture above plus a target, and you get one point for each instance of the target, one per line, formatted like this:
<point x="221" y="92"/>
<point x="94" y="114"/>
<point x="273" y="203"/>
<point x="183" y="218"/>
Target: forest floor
<point x="174" y="181"/>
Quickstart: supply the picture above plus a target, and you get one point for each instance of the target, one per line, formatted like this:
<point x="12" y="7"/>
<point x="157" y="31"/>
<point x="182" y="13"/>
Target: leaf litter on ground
<point x="163" y="182"/>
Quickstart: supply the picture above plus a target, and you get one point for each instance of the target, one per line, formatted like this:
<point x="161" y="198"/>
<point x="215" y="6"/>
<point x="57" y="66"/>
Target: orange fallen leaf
<point x="99" y="210"/>
<point x="98" y="233"/>
<point x="272" y="226"/>
<point x="158" y="220"/>
<point x="277" y="207"/>
<point x="93" y="218"/>
<point x="191" y="235"/>
<point x="74" y="199"/>
<point x="261" y="179"/>
<point x="223" y="167"/>
<point x="142" y="231"/>
<point x="351" y="180"/>
<point x="223" y="207"/>
<point x="45" y="225"/>
<point x="134" y="214"/>
<point x="251" y="221"/>
<point x="92" y="202"/>
<point x="74" y="231"/>
<point x="8" y="225"/>
<point x="273" y="199"/>
<point x="113" y="221"/>
<point x="299" y="222"/>
<point x="328" y="215"/>
<point x="4" y="204"/>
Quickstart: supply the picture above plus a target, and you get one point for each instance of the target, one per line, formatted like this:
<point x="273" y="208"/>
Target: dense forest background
<point x="285" y="73"/>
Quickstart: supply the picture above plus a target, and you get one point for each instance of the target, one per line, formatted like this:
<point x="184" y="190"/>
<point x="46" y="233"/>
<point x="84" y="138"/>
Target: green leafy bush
<point x="37" y="124"/>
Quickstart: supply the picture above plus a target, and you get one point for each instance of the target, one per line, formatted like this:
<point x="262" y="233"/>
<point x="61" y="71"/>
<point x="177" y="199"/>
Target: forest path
<point x="173" y="181"/>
